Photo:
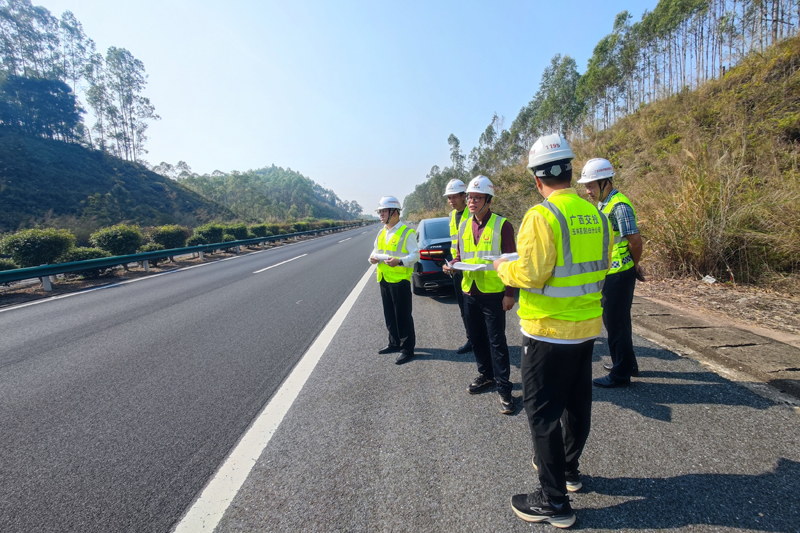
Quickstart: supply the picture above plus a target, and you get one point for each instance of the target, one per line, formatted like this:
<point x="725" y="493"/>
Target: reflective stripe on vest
<point x="487" y="281"/>
<point x="398" y="273"/>
<point x="453" y="234"/>
<point x="622" y="259"/>
<point x="579" y="231"/>
<point x="569" y="268"/>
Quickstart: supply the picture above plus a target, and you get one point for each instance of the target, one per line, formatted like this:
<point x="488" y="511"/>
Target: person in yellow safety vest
<point x="395" y="252"/>
<point x="456" y="194"/>
<point x="482" y="235"/>
<point x="564" y="245"/>
<point x="625" y="270"/>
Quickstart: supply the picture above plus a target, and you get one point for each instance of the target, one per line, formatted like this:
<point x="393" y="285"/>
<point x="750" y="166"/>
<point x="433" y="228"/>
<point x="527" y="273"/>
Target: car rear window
<point x="436" y="229"/>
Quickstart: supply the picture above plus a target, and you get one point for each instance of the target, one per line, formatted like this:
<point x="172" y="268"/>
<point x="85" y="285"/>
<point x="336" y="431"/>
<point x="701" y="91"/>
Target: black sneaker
<point x="507" y="406"/>
<point x="574" y="483"/>
<point x="480" y="384"/>
<point x="403" y="358"/>
<point x="536" y="507"/>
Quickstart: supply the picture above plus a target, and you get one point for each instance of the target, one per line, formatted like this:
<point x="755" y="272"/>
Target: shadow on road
<point x="727" y="500"/>
<point x="652" y="393"/>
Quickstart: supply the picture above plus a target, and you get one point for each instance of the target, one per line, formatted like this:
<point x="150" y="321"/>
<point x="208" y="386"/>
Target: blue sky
<point x="358" y="96"/>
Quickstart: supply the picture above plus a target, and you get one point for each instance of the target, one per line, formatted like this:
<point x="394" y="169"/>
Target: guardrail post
<point x="201" y="255"/>
<point x="46" y="285"/>
<point x="238" y="249"/>
<point x="146" y="265"/>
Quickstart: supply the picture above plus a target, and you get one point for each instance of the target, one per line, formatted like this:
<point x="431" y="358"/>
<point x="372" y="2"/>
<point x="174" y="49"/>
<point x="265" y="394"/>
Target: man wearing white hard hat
<point x="486" y="298"/>
<point x="456" y="194"/>
<point x="395" y="252"/>
<point x="564" y="247"/>
<point x="625" y="269"/>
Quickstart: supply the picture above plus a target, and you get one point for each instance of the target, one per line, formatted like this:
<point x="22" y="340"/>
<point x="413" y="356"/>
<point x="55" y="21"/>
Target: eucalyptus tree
<point x="76" y="49"/>
<point x="29" y="40"/>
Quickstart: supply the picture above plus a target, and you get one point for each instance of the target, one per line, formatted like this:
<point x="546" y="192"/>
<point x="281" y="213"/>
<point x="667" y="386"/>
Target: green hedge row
<point x="35" y="247"/>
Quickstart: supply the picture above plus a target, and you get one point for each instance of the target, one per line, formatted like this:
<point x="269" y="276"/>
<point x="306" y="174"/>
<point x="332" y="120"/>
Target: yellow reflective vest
<point x="622" y="259"/>
<point x="487" y="281"/>
<point x="396" y="247"/>
<point x="572" y="293"/>
<point x="454" y="232"/>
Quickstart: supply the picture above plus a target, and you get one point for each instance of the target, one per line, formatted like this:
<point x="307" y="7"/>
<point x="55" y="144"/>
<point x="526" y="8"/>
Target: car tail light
<point x="432" y="255"/>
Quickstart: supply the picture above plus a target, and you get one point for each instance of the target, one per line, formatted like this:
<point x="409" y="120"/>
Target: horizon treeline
<point x="678" y="46"/>
<point x="47" y="64"/>
<point x="269" y="193"/>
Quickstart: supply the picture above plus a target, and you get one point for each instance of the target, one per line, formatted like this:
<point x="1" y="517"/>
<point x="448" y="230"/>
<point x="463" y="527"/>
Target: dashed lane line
<point x="279" y="264"/>
<point x="208" y="509"/>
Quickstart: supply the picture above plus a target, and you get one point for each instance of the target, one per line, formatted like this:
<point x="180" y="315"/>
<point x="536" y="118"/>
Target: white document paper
<point x="382" y="257"/>
<point x="511" y="257"/>
<point x="471" y="267"/>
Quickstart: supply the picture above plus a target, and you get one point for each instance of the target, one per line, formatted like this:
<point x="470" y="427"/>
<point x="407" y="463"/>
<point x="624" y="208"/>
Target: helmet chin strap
<point x="485" y="204"/>
<point x="603" y="188"/>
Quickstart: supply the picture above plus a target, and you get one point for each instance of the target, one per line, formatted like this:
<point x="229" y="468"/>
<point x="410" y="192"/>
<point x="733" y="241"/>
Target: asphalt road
<point x="117" y="405"/>
<point x="371" y="446"/>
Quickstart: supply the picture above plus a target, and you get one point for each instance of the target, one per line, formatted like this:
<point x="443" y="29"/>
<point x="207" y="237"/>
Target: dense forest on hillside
<point x="55" y="184"/>
<point x="269" y="194"/>
<point x="708" y="154"/>
<point x="49" y="72"/>
<point x="48" y="65"/>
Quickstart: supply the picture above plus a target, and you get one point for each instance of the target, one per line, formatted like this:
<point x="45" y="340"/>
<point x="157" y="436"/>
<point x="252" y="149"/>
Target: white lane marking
<point x="279" y="264"/>
<point x="208" y="509"/>
<point x="347" y="239"/>
<point x="112" y="285"/>
<point x="363" y="232"/>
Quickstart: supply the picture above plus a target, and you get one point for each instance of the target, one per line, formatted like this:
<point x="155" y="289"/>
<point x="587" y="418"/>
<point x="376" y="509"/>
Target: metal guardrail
<point x="44" y="271"/>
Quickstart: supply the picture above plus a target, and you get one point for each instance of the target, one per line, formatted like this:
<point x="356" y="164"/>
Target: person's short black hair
<point x="554" y="173"/>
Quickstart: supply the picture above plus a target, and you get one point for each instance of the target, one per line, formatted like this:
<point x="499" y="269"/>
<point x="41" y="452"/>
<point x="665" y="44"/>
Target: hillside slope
<point x="714" y="172"/>
<point x="50" y="182"/>
<point x="272" y="193"/>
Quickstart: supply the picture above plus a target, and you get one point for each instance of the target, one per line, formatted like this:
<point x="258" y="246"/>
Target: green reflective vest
<point x="396" y="247"/>
<point x="622" y="259"/>
<point x="487" y="280"/>
<point x="582" y="237"/>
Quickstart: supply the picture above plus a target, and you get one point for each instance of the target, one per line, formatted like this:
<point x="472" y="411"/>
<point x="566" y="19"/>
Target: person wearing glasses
<point x="395" y="253"/>
<point x="483" y="235"/>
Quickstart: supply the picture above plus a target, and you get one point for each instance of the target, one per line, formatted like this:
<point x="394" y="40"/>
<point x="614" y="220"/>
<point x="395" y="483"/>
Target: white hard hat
<point x="481" y="184"/>
<point x="596" y="169"/>
<point x="454" y="186"/>
<point x="552" y="148"/>
<point x="388" y="202"/>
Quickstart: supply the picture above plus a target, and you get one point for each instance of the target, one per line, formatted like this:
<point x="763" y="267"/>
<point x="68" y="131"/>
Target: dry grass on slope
<point x="713" y="173"/>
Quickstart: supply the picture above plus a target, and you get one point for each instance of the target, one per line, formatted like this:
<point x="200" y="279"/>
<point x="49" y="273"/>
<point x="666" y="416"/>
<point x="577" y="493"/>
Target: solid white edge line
<point x="279" y="264"/>
<point x="208" y="509"/>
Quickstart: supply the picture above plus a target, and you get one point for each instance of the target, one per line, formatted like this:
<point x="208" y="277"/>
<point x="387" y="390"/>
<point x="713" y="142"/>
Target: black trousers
<point x="557" y="396"/>
<point x="486" y="328"/>
<point x="617" y="301"/>
<point x="396" y="299"/>
<point x="457" y="277"/>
